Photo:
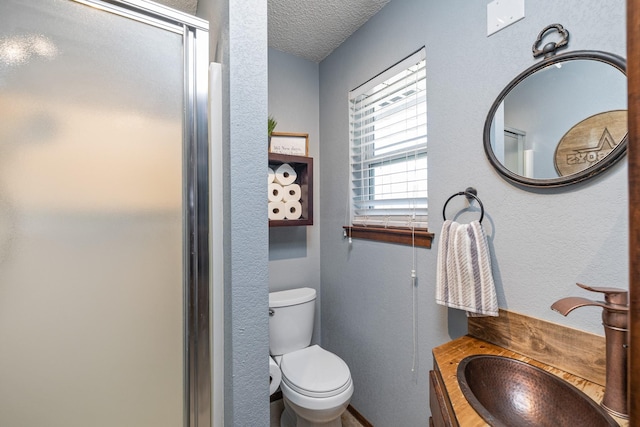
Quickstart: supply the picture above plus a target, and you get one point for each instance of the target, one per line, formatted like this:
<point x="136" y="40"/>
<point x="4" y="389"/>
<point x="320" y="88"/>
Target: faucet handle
<point x="611" y="295"/>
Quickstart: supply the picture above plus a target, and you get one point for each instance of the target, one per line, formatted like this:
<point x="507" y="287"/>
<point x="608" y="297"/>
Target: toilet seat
<point x="315" y="372"/>
<point x="318" y="403"/>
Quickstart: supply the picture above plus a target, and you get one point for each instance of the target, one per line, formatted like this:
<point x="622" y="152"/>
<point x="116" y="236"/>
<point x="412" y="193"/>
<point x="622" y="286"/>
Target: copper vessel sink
<point x="508" y="392"/>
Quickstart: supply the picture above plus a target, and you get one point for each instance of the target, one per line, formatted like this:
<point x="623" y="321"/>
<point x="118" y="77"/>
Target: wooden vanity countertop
<point x="447" y="357"/>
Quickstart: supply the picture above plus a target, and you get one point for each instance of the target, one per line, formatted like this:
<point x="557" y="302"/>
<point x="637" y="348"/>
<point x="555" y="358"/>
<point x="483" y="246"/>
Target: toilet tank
<point x="290" y="320"/>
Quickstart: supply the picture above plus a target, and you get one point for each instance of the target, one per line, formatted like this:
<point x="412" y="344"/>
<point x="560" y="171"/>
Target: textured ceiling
<point x="311" y="29"/>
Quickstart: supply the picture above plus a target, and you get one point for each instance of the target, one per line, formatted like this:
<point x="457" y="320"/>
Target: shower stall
<point x="104" y="235"/>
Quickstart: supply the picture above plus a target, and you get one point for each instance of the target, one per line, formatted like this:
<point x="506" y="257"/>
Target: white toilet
<point x="316" y="384"/>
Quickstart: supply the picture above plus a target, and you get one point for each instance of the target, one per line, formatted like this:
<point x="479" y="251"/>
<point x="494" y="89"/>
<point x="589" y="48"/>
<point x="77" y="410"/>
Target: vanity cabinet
<point x="303" y="167"/>
<point x="442" y="414"/>
<point x="503" y="336"/>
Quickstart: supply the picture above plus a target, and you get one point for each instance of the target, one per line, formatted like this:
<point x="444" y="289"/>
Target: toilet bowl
<point x="316" y="384"/>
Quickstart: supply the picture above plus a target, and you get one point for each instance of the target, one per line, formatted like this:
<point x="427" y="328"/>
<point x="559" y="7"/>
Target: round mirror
<point x="561" y="121"/>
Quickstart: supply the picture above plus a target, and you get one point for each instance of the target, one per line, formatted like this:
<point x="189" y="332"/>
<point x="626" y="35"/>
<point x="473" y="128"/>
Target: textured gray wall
<point x="248" y="286"/>
<point x="294" y="252"/>
<point x="240" y="38"/>
<point x="542" y="241"/>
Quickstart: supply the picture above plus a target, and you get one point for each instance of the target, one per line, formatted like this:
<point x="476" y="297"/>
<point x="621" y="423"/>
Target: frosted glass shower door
<point x="91" y="218"/>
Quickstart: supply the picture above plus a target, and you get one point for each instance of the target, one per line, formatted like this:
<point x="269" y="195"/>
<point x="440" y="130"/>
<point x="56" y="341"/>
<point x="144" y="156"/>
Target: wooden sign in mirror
<point x="590" y="142"/>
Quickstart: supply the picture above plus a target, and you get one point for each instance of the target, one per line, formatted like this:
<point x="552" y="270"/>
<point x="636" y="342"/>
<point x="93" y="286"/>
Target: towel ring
<point x="469" y="193"/>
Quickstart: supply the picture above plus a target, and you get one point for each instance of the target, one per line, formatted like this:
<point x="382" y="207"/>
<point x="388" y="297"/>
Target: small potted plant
<point x="271" y="125"/>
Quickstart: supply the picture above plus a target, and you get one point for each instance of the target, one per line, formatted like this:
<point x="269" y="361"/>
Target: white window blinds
<point x="388" y="136"/>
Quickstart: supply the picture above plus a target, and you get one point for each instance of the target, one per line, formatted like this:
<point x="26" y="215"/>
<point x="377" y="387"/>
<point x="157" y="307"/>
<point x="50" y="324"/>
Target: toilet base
<point x="296" y="416"/>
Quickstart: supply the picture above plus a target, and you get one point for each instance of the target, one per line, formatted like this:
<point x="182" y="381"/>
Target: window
<point x="388" y="137"/>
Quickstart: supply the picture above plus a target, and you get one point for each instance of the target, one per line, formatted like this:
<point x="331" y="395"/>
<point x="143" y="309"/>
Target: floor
<point x="277" y="407"/>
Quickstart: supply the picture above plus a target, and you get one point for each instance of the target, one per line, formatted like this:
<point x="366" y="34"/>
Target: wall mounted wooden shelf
<point x="304" y="170"/>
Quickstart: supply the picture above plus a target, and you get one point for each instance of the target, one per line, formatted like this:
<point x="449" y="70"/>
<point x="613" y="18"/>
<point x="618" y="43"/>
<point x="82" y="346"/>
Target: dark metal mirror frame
<point x="615" y="155"/>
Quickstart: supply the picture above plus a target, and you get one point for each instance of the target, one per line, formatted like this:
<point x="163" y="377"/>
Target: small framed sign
<point x="293" y="144"/>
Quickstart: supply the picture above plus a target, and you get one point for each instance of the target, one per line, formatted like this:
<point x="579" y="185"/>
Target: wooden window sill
<point x="404" y="236"/>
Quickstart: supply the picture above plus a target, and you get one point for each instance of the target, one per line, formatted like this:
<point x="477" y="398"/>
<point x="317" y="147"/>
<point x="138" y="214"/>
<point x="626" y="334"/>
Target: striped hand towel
<point x="464" y="279"/>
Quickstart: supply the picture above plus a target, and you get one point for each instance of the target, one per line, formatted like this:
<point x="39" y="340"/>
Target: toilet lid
<point x="315" y="372"/>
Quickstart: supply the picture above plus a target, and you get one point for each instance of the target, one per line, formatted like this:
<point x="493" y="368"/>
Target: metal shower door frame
<point x="196" y="335"/>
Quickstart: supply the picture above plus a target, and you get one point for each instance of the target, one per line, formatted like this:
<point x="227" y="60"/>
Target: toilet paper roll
<point x="271" y="176"/>
<point x="291" y="192"/>
<point x="275" y="192"/>
<point x="275" y="376"/>
<point x="292" y="209"/>
<point x="277" y="210"/>
<point x="285" y="174"/>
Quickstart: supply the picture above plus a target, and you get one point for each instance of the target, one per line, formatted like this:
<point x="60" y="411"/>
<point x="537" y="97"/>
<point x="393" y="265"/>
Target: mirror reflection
<point x="559" y="119"/>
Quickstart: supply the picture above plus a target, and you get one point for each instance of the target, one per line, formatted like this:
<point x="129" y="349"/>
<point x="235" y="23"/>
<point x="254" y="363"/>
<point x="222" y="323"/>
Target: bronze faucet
<point x="614" y="319"/>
